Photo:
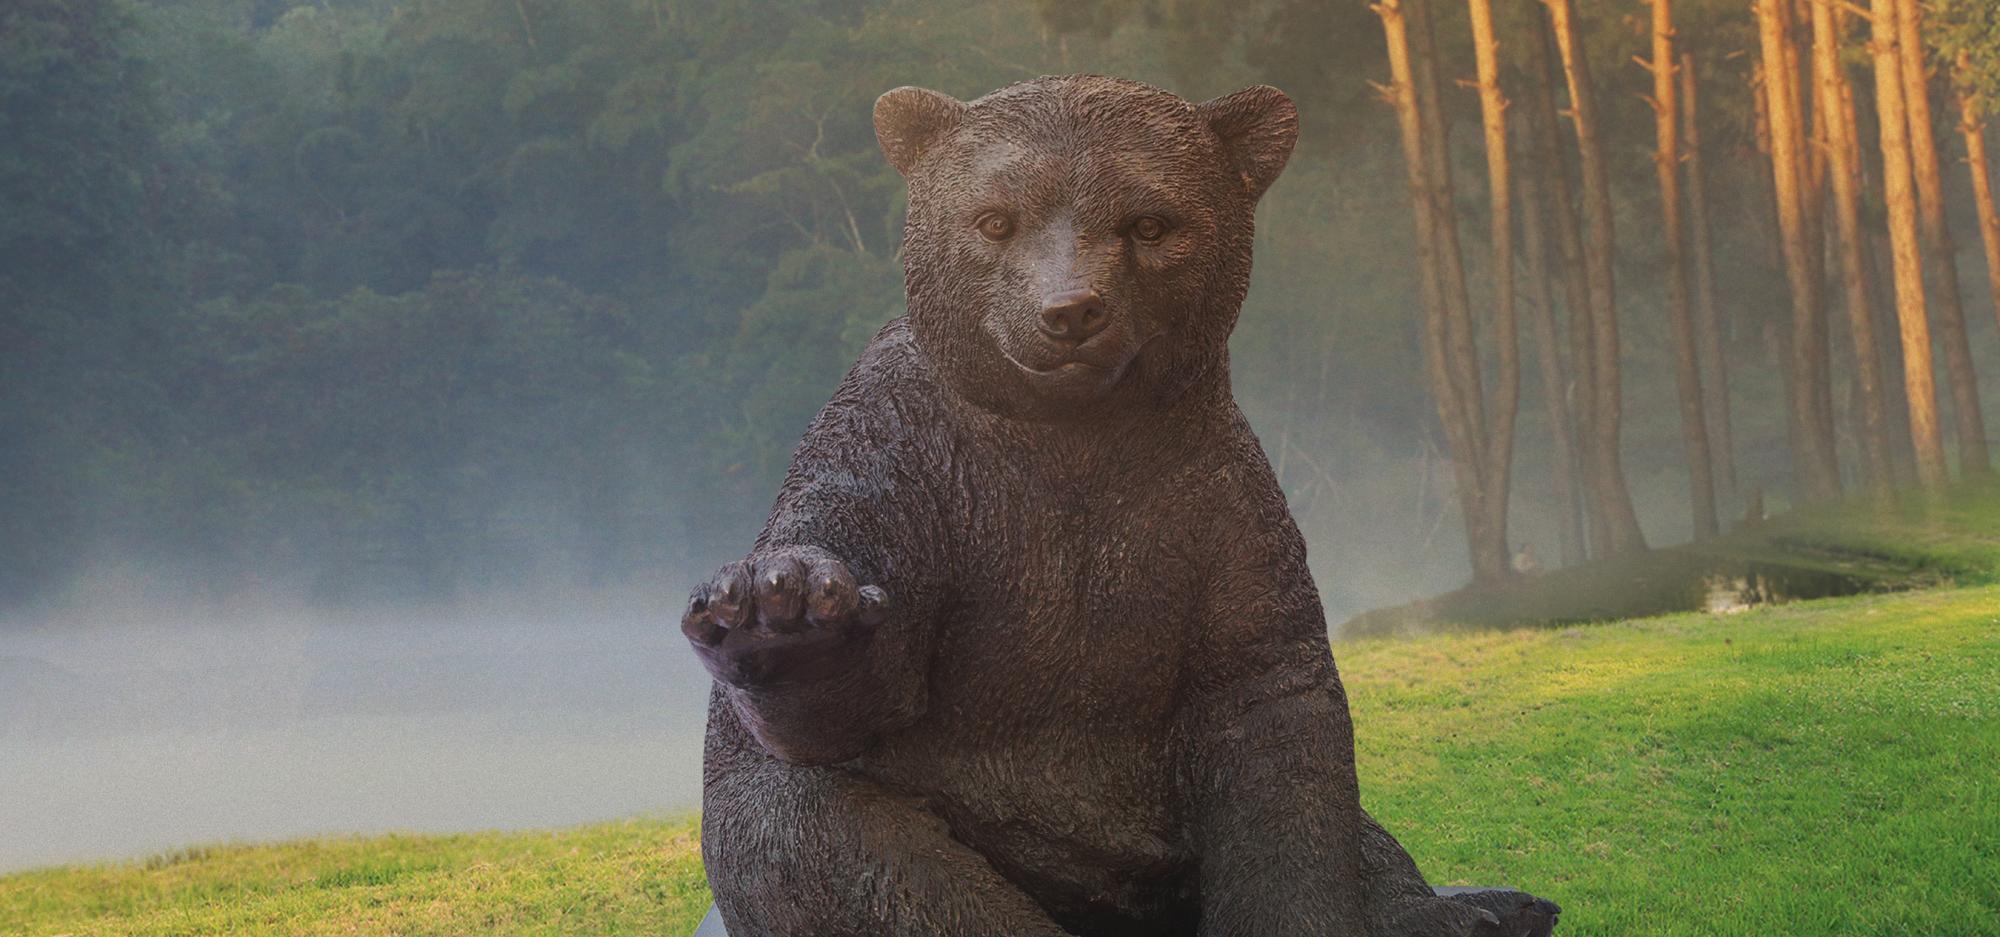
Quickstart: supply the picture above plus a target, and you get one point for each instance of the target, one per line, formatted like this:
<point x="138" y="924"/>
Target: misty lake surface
<point x="127" y="730"/>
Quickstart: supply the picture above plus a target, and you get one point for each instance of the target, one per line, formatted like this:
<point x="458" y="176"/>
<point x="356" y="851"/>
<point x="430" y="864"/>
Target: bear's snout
<point x="1073" y="316"/>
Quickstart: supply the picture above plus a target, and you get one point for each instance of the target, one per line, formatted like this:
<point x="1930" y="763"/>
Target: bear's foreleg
<point x="1287" y="849"/>
<point x="1278" y="819"/>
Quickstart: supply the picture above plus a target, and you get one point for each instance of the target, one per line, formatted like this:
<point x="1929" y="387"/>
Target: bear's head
<point x="1078" y="246"/>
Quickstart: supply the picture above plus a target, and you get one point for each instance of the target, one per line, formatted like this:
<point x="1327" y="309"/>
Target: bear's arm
<point x="855" y="494"/>
<point x="1269" y="749"/>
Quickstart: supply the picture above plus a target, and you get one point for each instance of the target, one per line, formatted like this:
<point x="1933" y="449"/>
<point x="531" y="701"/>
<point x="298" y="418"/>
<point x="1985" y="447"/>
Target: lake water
<point x="125" y="731"/>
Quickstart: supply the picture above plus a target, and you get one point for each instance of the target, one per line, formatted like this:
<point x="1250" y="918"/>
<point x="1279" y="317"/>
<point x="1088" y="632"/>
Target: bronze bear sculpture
<point x="1028" y="646"/>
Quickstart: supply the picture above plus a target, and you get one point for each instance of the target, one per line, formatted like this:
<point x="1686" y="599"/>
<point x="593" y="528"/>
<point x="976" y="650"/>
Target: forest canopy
<point x="403" y="298"/>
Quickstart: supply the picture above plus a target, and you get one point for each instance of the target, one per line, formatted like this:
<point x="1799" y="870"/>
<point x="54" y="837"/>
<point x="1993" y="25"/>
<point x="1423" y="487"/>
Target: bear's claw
<point x="781" y="615"/>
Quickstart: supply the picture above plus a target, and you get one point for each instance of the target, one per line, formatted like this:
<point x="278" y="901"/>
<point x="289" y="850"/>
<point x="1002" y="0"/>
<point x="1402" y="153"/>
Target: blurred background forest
<point x="415" y="299"/>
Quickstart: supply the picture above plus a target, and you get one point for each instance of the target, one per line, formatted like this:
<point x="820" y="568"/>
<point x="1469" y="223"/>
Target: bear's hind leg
<point x="818" y="852"/>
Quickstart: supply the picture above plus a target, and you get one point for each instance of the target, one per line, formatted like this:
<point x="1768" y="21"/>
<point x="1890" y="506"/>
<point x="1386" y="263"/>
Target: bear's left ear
<point x="908" y="120"/>
<point x="1258" y="127"/>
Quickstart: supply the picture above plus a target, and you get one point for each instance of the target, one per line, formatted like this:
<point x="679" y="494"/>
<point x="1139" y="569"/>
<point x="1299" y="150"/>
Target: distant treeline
<point x="409" y="296"/>
<point x="419" y="295"/>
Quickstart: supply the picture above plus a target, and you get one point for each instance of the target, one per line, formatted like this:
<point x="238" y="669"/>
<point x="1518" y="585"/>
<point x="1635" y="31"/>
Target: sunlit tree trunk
<point x="1889" y="338"/>
<point x="1830" y="80"/>
<point x="1400" y="93"/>
<point x="1609" y="495"/>
<point x="1882" y="288"/>
<point x="1815" y="463"/>
<point x="1813" y="347"/>
<point x="1687" y="367"/>
<point x="1551" y="167"/>
<point x="1974" y="459"/>
<point x="1461" y="347"/>
<point x="1497" y="469"/>
<point x="1707" y="308"/>
<point x="1405" y="93"/>
<point x="1972" y="125"/>
<point x="1767" y="193"/>
<point x="1894" y="127"/>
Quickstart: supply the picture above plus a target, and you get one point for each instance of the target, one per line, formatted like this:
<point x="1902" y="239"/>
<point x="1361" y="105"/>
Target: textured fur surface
<point x="1029" y="645"/>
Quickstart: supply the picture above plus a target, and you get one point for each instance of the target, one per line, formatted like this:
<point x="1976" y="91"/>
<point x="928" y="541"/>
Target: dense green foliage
<point x="420" y="295"/>
<point x="76" y="210"/>
<point x="1821" y="768"/>
<point x="1970" y="28"/>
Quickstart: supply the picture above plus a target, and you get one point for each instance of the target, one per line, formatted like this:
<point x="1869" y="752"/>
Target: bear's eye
<point x="1149" y="229"/>
<point x="996" y="226"/>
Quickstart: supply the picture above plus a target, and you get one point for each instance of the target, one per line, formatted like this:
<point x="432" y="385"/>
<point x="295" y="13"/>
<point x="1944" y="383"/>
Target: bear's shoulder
<point x="889" y="396"/>
<point x="890" y="371"/>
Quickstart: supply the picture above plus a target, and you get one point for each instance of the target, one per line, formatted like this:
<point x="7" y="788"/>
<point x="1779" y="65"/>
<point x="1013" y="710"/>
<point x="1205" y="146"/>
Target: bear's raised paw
<point x="790" y="615"/>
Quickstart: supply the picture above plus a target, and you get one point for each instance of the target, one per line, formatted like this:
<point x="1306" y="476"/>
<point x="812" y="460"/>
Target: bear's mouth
<point x="1093" y="367"/>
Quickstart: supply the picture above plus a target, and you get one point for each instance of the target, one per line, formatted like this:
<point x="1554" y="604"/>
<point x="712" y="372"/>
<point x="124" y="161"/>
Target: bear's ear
<point x="1258" y="127"/>
<point x="909" y="120"/>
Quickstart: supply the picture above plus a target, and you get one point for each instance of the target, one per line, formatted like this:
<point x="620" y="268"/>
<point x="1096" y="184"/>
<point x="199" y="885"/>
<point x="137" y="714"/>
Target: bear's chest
<point x="1069" y="610"/>
<point x="1056" y="677"/>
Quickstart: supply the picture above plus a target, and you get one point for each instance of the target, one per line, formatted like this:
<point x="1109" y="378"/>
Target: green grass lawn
<point x="1828" y="767"/>
<point x="632" y="877"/>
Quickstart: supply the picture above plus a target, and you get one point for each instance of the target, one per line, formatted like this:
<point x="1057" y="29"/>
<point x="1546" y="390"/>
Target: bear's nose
<point x="1073" y="315"/>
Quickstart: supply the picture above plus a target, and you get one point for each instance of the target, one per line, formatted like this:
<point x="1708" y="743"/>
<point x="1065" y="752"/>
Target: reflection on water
<point x="123" y="733"/>
<point x="1738" y="586"/>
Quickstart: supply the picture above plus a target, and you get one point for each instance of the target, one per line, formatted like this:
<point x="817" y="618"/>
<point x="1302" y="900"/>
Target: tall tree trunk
<point x="1814" y="462"/>
<point x="1404" y="93"/>
<point x="1610" y="497"/>
<point x="1918" y="381"/>
<point x="1487" y="542"/>
<point x="1497" y="470"/>
<point x="1774" y="252"/>
<point x="1548" y="347"/>
<point x="1777" y="331"/>
<point x="1687" y="366"/>
<point x="1815" y="346"/>
<point x="1551" y="165"/>
<point x="1461" y="345"/>
<point x="1829" y="31"/>
<point x="1708" y="313"/>
<point x="1810" y="350"/>
<point x="1972" y="125"/>
<point x="1811" y="147"/>
<point x="1974" y="458"/>
<point x="1889" y="339"/>
<point x="1882" y="289"/>
<point x="1773" y="330"/>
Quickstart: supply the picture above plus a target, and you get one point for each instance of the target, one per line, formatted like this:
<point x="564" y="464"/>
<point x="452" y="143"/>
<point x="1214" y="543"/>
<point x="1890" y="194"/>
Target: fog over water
<point x="130" y="725"/>
<point x="139" y="715"/>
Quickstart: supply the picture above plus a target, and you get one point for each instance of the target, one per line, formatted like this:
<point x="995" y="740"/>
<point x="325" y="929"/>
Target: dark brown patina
<point x="1029" y="646"/>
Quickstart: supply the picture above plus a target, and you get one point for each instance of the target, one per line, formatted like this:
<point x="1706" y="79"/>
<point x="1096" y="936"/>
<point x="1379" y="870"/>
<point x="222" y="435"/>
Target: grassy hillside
<point x="1825" y="767"/>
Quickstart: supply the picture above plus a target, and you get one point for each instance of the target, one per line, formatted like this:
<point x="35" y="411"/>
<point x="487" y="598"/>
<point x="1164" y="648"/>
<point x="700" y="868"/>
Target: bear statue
<point x="1028" y="646"/>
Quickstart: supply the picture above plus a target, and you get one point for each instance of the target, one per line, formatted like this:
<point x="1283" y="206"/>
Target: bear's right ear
<point x="909" y="120"/>
<point x="1258" y="127"/>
